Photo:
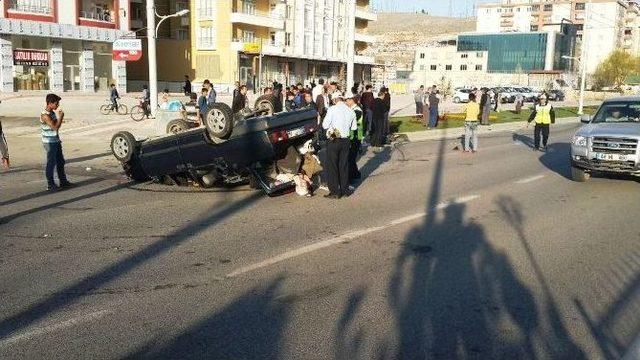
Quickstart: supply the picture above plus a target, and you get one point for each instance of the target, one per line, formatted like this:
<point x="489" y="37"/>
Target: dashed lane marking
<point x="342" y="238"/>
<point x="530" y="179"/>
<point x="54" y="327"/>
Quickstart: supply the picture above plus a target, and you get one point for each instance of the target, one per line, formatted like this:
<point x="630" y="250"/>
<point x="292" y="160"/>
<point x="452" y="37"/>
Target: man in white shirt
<point x="317" y="90"/>
<point x="339" y="123"/>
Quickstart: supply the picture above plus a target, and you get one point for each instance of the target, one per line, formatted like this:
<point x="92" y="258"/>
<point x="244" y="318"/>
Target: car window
<point x="618" y="112"/>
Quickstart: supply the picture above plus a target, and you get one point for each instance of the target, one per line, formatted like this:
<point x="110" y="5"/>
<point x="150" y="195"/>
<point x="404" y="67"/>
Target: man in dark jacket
<point x="367" y="101"/>
<point x="387" y="107"/>
<point x="187" y="85"/>
<point x="240" y="101"/>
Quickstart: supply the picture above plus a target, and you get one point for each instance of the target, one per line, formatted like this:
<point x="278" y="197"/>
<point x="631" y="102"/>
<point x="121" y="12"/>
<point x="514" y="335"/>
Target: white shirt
<point x="317" y="90"/>
<point x="340" y="117"/>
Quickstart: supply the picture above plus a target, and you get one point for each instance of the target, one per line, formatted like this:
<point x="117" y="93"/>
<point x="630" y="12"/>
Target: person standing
<point x="187" y="86"/>
<point x="51" y="119"/>
<point x="4" y="150"/>
<point x="339" y="123"/>
<point x="519" y="103"/>
<point x="202" y="105"/>
<point x="544" y="115"/>
<point x="377" y="126"/>
<point x="236" y="90"/>
<point x="146" y="100"/>
<point x="211" y="92"/>
<point x="114" y="96"/>
<point x="368" y="102"/>
<point x="434" y="103"/>
<point x="418" y="97"/>
<point x="472" y="110"/>
<point x="356" y="140"/>
<point x="318" y="89"/>
<point x="387" y="108"/>
<point x="485" y="106"/>
<point x="240" y="101"/>
<point x="496" y="99"/>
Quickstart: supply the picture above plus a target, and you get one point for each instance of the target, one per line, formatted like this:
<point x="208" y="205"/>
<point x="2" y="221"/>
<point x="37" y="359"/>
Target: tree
<point x="445" y="87"/>
<point x="614" y="70"/>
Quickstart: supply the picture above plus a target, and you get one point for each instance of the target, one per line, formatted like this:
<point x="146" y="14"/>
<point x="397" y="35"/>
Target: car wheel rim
<point x="216" y="120"/>
<point x="120" y="147"/>
<point x="175" y="129"/>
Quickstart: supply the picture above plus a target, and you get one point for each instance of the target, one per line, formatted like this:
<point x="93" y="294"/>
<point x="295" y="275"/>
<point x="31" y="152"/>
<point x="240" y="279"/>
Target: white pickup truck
<point x="608" y="142"/>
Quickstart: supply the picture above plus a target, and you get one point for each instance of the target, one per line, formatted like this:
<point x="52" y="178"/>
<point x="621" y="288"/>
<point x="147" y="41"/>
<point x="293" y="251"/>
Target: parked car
<point x="461" y="95"/>
<point x="556" y="95"/>
<point x="527" y="93"/>
<point x="608" y="142"/>
<point x="258" y="149"/>
<point x="507" y="94"/>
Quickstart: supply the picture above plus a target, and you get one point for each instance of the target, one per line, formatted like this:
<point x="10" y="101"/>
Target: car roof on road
<point x="623" y="98"/>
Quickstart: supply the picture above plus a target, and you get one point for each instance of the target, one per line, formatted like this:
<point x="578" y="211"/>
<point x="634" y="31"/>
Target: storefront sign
<point x="127" y="49"/>
<point x="251" y="48"/>
<point x="30" y="57"/>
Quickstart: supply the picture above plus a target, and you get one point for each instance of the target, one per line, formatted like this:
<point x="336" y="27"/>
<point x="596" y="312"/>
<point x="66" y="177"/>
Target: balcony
<point x="97" y="15"/>
<point x="257" y="18"/>
<point x="365" y="38"/>
<point x="37" y="10"/>
<point x="506" y="14"/>
<point x="365" y="14"/>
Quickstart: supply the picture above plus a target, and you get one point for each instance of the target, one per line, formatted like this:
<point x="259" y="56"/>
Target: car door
<point x="161" y="156"/>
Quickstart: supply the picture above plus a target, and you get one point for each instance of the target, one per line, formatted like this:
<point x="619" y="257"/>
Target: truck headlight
<point x="579" y="141"/>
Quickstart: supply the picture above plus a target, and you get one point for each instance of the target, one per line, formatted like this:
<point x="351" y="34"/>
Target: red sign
<point x="30" y="57"/>
<point x="127" y="50"/>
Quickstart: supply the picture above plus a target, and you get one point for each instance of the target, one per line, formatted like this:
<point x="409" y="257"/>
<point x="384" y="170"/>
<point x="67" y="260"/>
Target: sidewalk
<point x="455" y="133"/>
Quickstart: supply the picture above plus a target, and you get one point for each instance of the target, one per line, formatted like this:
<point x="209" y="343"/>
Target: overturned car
<point x="228" y="150"/>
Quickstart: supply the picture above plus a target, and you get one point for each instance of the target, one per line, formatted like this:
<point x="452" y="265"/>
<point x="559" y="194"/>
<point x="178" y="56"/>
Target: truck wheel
<point x="123" y="145"/>
<point x="579" y="175"/>
<point x="218" y="120"/>
<point x="266" y="104"/>
<point x="177" y="126"/>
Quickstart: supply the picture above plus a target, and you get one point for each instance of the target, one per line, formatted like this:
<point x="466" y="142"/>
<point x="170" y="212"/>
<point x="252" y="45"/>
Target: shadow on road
<point x="43" y="193"/>
<point x="555" y="159"/>
<point x="87" y="157"/>
<point x="250" y="327"/>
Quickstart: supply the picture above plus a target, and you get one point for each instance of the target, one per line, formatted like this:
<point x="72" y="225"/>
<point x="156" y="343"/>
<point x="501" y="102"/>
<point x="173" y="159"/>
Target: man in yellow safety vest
<point x="543" y="115"/>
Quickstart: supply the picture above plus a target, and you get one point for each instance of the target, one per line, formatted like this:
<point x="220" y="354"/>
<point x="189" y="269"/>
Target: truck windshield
<point x="618" y="112"/>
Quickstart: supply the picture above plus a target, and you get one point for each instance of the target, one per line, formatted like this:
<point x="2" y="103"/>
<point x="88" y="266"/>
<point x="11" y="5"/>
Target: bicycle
<point x="107" y="108"/>
<point x="138" y="112"/>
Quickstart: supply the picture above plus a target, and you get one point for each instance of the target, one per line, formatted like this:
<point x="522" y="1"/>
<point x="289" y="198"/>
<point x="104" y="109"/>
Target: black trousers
<point x="338" y="166"/>
<point x="541" y="129"/>
<point x="354" y="150"/>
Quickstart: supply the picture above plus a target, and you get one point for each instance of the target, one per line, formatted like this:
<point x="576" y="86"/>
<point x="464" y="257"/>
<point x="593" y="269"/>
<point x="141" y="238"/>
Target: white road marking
<point x="54" y="327"/>
<point x="342" y="238"/>
<point x="530" y="179"/>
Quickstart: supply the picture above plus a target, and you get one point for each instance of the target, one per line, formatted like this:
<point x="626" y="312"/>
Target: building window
<point x="434" y="67"/>
<point x="421" y="55"/>
<point x="535" y="7"/>
<point x="182" y="34"/>
<point x="289" y="12"/>
<point x="580" y="6"/>
<point x="534" y="27"/>
<point x="206" y="9"/>
<point x="248" y="36"/>
<point x="206" y="38"/>
<point x="478" y="67"/>
<point x="579" y="27"/>
<point x="272" y="37"/>
<point x="287" y="39"/>
<point x="464" y="56"/>
<point x="479" y="54"/>
<point x="31" y="6"/>
<point x="448" y="67"/>
<point x="463" y="67"/>
<point x="421" y="67"/>
<point x="249" y="7"/>
<point x="548" y="7"/>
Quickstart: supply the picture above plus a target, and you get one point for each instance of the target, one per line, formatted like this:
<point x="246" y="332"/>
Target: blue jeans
<point x="433" y="117"/>
<point x="54" y="159"/>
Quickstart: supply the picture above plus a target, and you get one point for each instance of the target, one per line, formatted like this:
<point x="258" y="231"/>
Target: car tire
<point x="123" y="146"/>
<point x="267" y="103"/>
<point x="456" y="100"/>
<point x="218" y="119"/>
<point x="579" y="175"/>
<point x="177" y="126"/>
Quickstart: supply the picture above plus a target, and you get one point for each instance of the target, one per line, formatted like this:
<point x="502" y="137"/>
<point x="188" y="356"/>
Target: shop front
<point x="31" y="69"/>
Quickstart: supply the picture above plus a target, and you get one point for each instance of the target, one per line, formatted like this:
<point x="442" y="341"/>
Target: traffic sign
<point x="127" y="50"/>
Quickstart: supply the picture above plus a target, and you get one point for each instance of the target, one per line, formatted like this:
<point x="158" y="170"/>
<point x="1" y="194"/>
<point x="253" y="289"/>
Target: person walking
<point x="472" y="110"/>
<point x="485" y="106"/>
<point x="356" y="140"/>
<point x="339" y="123"/>
<point x="4" y="150"/>
<point x="418" y="97"/>
<point x="543" y="115"/>
<point x="187" y="86"/>
<point x="51" y="119"/>
<point x="434" y="103"/>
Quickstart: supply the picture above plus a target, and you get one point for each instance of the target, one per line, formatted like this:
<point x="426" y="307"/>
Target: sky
<point x="433" y="7"/>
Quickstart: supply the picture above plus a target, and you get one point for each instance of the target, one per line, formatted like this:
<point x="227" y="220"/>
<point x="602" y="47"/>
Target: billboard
<point x="127" y="50"/>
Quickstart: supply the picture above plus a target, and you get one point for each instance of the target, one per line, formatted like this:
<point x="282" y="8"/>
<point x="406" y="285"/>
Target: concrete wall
<point x="174" y="61"/>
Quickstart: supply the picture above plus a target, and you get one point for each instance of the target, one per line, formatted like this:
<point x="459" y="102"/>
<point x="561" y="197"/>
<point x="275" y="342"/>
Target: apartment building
<point x="605" y="24"/>
<point x="61" y="45"/>
<point x="288" y="41"/>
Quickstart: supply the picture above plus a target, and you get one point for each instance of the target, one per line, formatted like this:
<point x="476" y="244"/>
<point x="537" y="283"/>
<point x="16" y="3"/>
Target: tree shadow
<point x="44" y="193"/>
<point x="250" y="327"/>
<point x="87" y="157"/>
<point x="374" y="162"/>
<point x="74" y="292"/>
<point x="349" y="347"/>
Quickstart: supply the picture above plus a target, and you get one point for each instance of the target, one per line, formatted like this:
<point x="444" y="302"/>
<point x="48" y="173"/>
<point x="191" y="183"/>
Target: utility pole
<point x="583" y="60"/>
<point x="351" y="43"/>
<point x="152" y="56"/>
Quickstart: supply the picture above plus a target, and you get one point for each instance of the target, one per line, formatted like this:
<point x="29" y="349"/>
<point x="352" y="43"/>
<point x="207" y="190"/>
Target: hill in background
<point x="399" y="34"/>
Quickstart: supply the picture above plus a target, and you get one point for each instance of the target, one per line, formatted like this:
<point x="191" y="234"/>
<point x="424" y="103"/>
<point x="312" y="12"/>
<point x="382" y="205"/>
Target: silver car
<point x="608" y="142"/>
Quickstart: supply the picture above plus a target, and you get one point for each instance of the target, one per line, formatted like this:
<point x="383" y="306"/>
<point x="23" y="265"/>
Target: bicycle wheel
<point x="122" y="109"/>
<point x="105" y="109"/>
<point x="137" y="113"/>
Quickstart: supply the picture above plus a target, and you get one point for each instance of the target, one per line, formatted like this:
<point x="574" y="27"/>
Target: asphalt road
<point x="438" y="255"/>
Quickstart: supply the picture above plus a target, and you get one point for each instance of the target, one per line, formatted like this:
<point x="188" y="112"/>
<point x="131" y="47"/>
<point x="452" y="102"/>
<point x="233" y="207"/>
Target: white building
<point x="606" y="24"/>
<point x="61" y="45"/>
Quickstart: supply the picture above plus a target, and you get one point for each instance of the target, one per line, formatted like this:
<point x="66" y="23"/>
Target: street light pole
<point x="152" y="56"/>
<point x="583" y="62"/>
<point x="351" y="34"/>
